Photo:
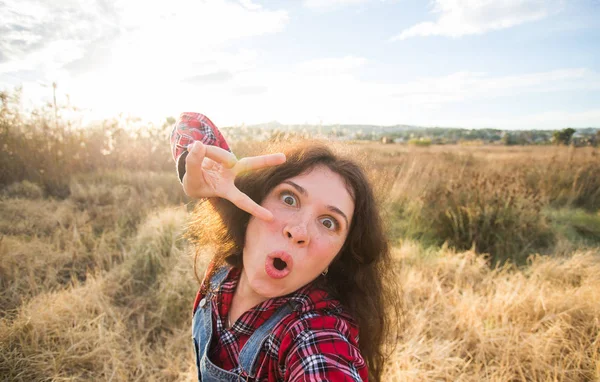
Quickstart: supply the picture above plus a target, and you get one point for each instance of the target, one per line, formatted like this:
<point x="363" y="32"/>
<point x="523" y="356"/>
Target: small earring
<point x="324" y="273"/>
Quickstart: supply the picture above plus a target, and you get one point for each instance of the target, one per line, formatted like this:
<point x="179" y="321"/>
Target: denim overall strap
<point x="202" y="334"/>
<point x="218" y="278"/>
<point x="251" y="349"/>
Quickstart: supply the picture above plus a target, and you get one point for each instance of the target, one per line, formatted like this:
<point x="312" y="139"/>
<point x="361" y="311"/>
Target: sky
<point x="507" y="64"/>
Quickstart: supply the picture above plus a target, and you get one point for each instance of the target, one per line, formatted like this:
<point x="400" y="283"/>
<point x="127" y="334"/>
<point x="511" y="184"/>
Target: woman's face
<point x="312" y="213"/>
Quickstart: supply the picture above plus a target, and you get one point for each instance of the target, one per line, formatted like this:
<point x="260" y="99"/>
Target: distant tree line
<point x="587" y="137"/>
<point x="419" y="135"/>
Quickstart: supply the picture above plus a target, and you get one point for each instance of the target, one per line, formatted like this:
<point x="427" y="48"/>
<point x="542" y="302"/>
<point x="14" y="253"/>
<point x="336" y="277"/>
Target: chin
<point x="269" y="289"/>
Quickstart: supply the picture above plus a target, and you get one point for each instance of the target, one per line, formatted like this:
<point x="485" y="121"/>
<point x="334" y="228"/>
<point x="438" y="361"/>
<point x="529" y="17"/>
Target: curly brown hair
<point x="361" y="276"/>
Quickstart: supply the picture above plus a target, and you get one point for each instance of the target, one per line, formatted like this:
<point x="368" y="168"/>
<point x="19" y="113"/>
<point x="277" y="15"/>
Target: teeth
<point x="279" y="264"/>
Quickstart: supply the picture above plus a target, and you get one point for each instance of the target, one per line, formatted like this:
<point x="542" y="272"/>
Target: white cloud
<point x="462" y="86"/>
<point x="194" y="24"/>
<point x="305" y="94"/>
<point x="329" y="66"/>
<point x="116" y="55"/>
<point x="467" y="17"/>
<point x="321" y="5"/>
<point x="57" y="37"/>
<point x="47" y="34"/>
<point x="248" y="4"/>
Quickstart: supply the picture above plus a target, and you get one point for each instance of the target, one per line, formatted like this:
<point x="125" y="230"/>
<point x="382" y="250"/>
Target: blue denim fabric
<point x="202" y="336"/>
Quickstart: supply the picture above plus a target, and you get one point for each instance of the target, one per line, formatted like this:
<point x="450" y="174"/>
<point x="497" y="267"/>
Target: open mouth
<point x="279" y="264"/>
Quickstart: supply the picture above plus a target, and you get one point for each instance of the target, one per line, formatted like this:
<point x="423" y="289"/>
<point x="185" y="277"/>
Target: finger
<point x="261" y="161"/>
<point x="193" y="161"/>
<point x="220" y="155"/>
<point x="243" y="202"/>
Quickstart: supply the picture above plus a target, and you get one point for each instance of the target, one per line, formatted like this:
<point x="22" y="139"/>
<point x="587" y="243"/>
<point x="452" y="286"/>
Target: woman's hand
<point x="211" y="171"/>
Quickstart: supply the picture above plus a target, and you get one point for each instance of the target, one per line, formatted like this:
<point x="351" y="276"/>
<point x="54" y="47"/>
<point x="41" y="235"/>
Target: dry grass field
<point x="497" y="251"/>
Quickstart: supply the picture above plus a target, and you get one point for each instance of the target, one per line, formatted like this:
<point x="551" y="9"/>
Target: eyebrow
<point x="303" y="191"/>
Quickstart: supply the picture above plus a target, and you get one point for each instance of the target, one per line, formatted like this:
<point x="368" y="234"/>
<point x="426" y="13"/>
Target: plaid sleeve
<point x="191" y="127"/>
<point x="324" y="355"/>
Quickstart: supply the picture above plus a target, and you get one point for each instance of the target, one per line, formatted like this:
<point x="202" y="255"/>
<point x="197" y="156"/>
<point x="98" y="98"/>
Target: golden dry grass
<point x="467" y="322"/>
<point x="496" y="199"/>
<point x="131" y="323"/>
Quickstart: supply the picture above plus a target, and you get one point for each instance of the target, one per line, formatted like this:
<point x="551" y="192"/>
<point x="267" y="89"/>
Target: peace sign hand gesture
<point x="211" y="171"/>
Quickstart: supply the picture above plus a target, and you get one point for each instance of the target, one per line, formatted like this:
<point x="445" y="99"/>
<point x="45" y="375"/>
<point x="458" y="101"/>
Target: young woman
<point x="301" y="266"/>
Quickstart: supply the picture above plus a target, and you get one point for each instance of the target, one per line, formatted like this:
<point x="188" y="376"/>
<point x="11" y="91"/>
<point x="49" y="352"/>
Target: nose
<point x="297" y="232"/>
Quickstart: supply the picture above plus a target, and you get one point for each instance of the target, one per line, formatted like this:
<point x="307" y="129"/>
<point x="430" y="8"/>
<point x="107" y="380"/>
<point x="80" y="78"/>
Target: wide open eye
<point x="289" y="199"/>
<point x="329" y="223"/>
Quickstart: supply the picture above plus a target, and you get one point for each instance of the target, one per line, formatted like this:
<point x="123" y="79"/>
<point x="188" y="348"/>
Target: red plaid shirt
<point x="318" y="341"/>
